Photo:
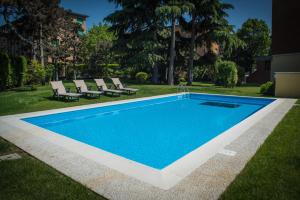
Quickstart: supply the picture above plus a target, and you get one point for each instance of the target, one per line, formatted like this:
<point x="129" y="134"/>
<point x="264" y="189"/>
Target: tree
<point x="139" y="31"/>
<point x="33" y="22"/>
<point x="64" y="46"/>
<point x="5" y="71"/>
<point x="171" y="10"/>
<point x="96" y="47"/>
<point x="207" y="19"/>
<point x="72" y="41"/>
<point x="228" y="41"/>
<point x="256" y="36"/>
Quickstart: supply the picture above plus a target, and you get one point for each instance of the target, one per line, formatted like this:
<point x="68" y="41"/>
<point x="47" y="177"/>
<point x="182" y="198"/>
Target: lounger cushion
<point x="93" y="92"/>
<point x="131" y="89"/>
<point x="81" y="84"/>
<point x="71" y="94"/>
<point x="100" y="83"/>
<point x="58" y="85"/>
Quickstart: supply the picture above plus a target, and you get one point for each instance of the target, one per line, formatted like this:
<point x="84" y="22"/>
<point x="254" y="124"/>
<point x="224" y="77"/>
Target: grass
<point x="273" y="173"/>
<point x="13" y="102"/>
<point x="29" y="178"/>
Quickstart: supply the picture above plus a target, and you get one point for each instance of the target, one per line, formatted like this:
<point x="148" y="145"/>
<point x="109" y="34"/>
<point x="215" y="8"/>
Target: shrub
<point x="129" y="73"/>
<point x="141" y="77"/>
<point x="36" y="73"/>
<point x="20" y="70"/>
<point x="49" y="69"/>
<point x="267" y="88"/>
<point x="227" y="74"/>
<point x="182" y="79"/>
<point x="5" y="71"/>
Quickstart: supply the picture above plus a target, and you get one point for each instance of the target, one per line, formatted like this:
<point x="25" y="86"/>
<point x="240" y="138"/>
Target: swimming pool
<point x="154" y="132"/>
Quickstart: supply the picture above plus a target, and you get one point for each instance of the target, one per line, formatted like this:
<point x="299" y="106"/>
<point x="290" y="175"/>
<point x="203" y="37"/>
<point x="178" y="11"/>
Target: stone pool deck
<point x="206" y="182"/>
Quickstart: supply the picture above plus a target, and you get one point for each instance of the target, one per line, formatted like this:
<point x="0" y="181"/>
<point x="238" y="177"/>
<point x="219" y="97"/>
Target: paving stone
<point x="12" y="156"/>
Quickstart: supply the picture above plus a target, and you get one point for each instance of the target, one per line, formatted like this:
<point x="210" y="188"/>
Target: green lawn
<point x="273" y="173"/>
<point x="13" y="102"/>
<point x="31" y="179"/>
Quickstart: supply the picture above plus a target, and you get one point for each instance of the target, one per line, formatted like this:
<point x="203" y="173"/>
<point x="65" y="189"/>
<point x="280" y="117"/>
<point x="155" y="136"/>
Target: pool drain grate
<point x="227" y="152"/>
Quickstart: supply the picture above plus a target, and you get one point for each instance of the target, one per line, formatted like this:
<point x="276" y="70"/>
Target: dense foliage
<point x="36" y="73"/>
<point x="38" y="22"/>
<point x="227" y="74"/>
<point x="20" y="70"/>
<point x="267" y="88"/>
<point x="97" y="52"/>
<point x="170" y="40"/>
<point x="5" y="71"/>
<point x="255" y="35"/>
<point x="152" y="35"/>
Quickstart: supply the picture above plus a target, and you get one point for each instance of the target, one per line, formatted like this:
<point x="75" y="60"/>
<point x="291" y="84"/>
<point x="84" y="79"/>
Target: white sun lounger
<point x="117" y="83"/>
<point x="59" y="91"/>
<point x="84" y="90"/>
<point x="101" y="85"/>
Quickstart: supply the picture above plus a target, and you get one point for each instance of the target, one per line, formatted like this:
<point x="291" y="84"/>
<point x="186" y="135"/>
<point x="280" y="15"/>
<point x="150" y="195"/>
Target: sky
<point x="97" y="10"/>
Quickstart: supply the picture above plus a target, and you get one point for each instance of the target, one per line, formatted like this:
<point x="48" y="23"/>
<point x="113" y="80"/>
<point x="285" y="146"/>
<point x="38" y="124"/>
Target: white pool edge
<point x="164" y="179"/>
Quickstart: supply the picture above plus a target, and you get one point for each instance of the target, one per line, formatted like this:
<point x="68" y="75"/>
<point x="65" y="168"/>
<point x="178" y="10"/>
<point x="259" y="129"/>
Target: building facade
<point x="262" y="71"/>
<point x="285" y="66"/>
<point x="285" y="36"/>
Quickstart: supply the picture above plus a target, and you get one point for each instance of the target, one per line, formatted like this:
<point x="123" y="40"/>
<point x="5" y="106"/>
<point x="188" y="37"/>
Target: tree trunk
<point x="191" y="53"/>
<point x="74" y="63"/>
<point x="172" y="54"/>
<point x="34" y="47"/>
<point x="75" y="74"/>
<point x="56" y="72"/>
<point x="41" y="47"/>
<point x="166" y="75"/>
<point x="154" y="74"/>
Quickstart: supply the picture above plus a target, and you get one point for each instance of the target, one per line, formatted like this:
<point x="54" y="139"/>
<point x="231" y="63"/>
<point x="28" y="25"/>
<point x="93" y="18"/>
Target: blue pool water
<point x="153" y="132"/>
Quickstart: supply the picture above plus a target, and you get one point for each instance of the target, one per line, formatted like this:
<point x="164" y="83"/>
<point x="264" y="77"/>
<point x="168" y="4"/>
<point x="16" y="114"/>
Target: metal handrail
<point x="182" y="88"/>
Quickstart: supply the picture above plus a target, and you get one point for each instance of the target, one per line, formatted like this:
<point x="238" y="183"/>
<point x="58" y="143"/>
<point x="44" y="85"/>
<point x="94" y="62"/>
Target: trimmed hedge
<point x="20" y="69"/>
<point x="141" y="77"/>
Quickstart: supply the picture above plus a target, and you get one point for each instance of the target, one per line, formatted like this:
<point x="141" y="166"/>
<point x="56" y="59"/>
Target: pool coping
<point x="13" y="129"/>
